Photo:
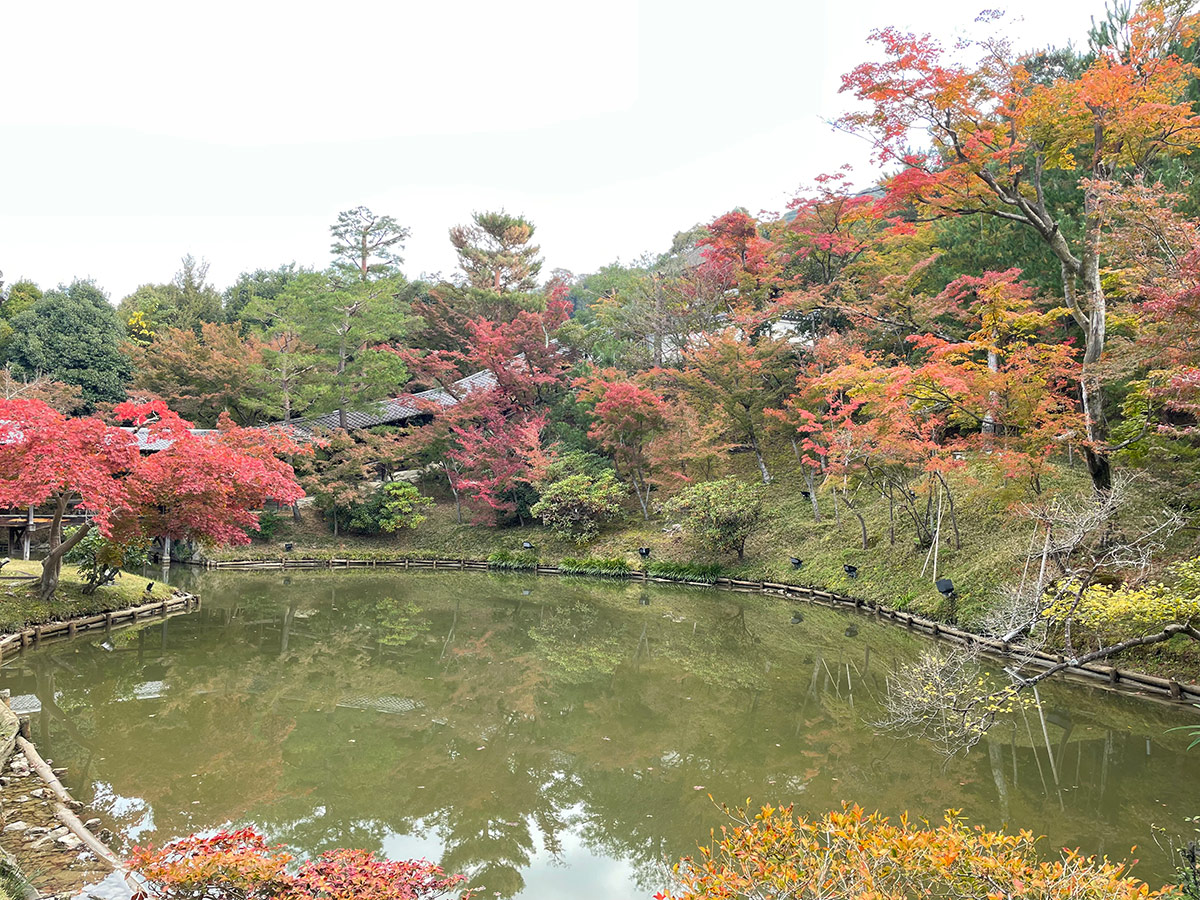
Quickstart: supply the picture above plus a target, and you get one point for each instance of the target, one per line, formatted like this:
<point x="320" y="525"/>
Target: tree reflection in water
<point x="513" y="723"/>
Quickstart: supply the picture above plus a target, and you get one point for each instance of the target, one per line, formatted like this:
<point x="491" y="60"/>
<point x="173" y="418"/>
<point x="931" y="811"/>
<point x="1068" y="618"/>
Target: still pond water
<point x="552" y="737"/>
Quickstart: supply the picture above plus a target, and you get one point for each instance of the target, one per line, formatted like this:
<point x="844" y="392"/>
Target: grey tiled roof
<point x="146" y="444"/>
<point x="387" y="412"/>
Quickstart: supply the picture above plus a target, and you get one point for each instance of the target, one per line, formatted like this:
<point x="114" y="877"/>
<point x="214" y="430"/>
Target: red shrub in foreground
<point x="239" y="865"/>
<point x="359" y="875"/>
<point x="230" y="865"/>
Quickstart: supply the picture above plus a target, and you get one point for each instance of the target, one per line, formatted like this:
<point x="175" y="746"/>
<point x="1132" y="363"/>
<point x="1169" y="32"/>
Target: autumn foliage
<point x="197" y="487"/>
<point x="240" y="865"/>
<point x="855" y="855"/>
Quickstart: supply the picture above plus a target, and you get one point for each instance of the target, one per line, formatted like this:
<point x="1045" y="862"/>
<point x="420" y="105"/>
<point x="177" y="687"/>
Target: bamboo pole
<point x="63" y="804"/>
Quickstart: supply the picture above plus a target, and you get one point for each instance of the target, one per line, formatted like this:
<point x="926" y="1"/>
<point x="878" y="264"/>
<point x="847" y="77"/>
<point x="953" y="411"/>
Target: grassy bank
<point x="994" y="538"/>
<point x="992" y="547"/>
<point x="20" y="606"/>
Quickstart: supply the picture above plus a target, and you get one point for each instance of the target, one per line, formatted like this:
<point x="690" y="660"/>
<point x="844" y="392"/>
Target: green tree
<point x="193" y="299"/>
<point x="366" y="247"/>
<point x="102" y="559"/>
<point x="393" y="506"/>
<point x="261" y="285"/>
<point x="72" y="335"/>
<point x="725" y="513"/>
<point x="187" y="302"/>
<point x="329" y="343"/>
<point x="495" y="253"/>
<point x="574" y="506"/>
<point x="291" y="360"/>
<point x="20" y="296"/>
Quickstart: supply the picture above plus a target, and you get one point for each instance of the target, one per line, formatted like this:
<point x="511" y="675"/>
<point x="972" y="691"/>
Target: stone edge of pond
<point x="14" y="741"/>
<point x="1112" y="677"/>
<point x="57" y="831"/>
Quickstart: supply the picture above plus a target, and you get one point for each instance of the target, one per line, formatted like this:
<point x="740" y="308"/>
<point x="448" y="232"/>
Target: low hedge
<point x="708" y="573"/>
<point x="521" y="561"/>
<point x="592" y="565"/>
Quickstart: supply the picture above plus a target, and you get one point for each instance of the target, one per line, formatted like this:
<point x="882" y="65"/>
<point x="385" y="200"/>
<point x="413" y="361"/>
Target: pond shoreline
<point x="58" y="837"/>
<point x="1113" y="677"/>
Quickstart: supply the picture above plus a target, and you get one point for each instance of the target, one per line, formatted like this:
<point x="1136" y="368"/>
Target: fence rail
<point x="106" y="621"/>
<point x="1168" y="687"/>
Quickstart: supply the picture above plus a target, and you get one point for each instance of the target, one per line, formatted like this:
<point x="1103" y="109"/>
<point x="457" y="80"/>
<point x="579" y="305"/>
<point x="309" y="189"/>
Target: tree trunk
<point x="953" y="514"/>
<point x="643" y="501"/>
<point x="454" y="491"/>
<point x="862" y="523"/>
<point x="343" y="355"/>
<point x="1091" y="316"/>
<point x="659" y="306"/>
<point x="762" y="463"/>
<point x="810" y="480"/>
<point x="52" y="564"/>
<point x="989" y="417"/>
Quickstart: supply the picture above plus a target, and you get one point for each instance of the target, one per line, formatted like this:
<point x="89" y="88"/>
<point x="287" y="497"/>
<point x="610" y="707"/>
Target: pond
<point x="552" y="737"/>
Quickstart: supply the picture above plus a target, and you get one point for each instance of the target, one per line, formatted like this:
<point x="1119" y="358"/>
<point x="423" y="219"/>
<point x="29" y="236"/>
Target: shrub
<point x="575" y="505"/>
<point x="724" y="512"/>
<point x="708" y="573"/>
<point x="523" y="560"/>
<point x="1120" y="612"/>
<point x="852" y="855"/>
<point x="101" y="560"/>
<point x="359" y="875"/>
<point x="591" y="565"/>
<point x="394" y="505"/>
<point x="268" y="524"/>
<point x="239" y="865"/>
<point x="230" y="865"/>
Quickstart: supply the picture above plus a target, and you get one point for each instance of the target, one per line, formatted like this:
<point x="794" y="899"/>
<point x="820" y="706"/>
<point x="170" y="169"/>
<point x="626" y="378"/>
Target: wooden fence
<point x="106" y="621"/>
<point x="1112" y="675"/>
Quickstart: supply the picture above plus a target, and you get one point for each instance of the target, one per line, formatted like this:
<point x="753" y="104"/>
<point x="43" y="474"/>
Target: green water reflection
<point x="550" y="735"/>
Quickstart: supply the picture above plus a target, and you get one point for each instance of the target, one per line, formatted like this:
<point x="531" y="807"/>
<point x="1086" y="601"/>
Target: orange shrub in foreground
<point x="853" y="855"/>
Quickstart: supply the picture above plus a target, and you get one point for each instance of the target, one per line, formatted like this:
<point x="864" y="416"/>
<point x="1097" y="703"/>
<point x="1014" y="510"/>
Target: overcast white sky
<point x="133" y="133"/>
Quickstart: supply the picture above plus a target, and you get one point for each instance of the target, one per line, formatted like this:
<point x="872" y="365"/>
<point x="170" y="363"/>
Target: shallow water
<point x="552" y="736"/>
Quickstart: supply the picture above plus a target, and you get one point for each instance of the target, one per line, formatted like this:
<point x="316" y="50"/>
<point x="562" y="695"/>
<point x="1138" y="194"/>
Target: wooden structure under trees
<point x="22" y="528"/>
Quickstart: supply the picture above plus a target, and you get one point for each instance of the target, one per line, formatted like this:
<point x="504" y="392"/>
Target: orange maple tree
<point x="996" y="131"/>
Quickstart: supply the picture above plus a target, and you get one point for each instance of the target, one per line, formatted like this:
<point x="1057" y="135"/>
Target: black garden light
<point x="851" y="571"/>
<point x="644" y="552"/>
<point x="525" y="545"/>
<point x="797" y="562"/>
<point x="946" y="588"/>
<point x="289" y="547"/>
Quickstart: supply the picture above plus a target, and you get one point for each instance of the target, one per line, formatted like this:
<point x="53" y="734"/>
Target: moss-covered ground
<point x="20" y="606"/>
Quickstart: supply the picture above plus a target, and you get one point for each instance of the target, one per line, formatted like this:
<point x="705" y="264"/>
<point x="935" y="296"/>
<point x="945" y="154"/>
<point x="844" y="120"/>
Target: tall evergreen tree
<point x="366" y="247"/>
<point x="73" y="335"/>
